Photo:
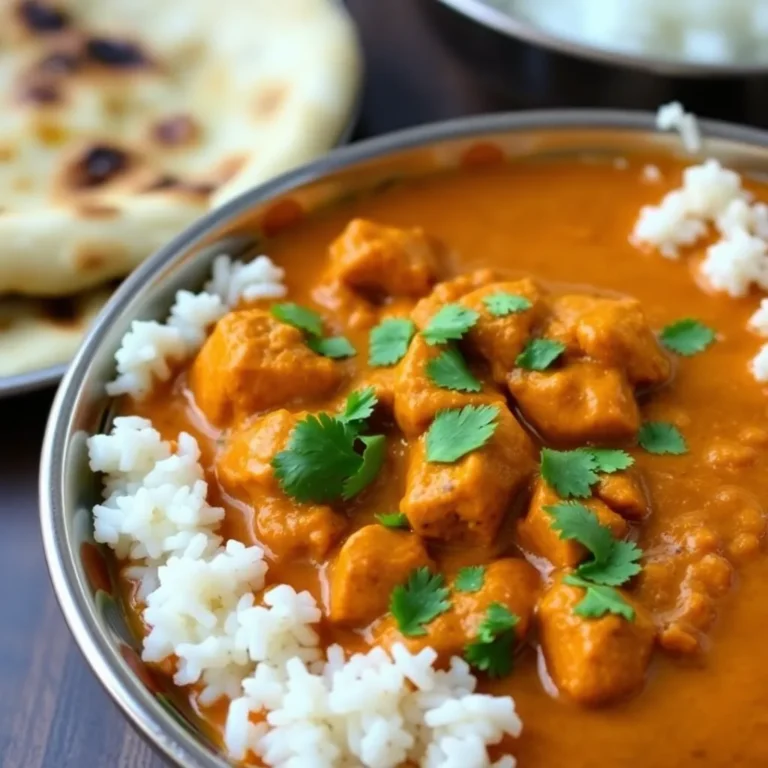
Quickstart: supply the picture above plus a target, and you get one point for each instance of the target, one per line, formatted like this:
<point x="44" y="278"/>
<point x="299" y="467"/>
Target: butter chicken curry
<point x="483" y="421"/>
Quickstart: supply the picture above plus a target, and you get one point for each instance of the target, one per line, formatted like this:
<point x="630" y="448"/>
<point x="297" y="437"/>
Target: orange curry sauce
<point x="566" y="223"/>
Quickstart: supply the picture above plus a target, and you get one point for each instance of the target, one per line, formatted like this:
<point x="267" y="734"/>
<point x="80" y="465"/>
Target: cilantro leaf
<point x="609" y="460"/>
<point x="449" y="324"/>
<point x="449" y="371"/>
<point x="389" y="341"/>
<point x="494" y="657"/>
<point x="570" y="473"/>
<point x="599" y="600"/>
<point x="617" y="567"/>
<point x="687" y="337"/>
<point x="335" y="347"/>
<point x="359" y="406"/>
<point x="458" y="431"/>
<point x="502" y="303"/>
<point x="661" y="438"/>
<point x="318" y="460"/>
<point x="470" y="578"/>
<point x="419" y="601"/>
<point x="373" y="458"/>
<point x="539" y="354"/>
<point x="575" y="522"/>
<point x="492" y="650"/>
<point x="304" y="319"/>
<point x="393" y="520"/>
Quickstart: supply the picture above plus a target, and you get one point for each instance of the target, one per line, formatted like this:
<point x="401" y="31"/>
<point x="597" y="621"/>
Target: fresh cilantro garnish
<point x="573" y="473"/>
<point x="359" y="406"/>
<point x="419" y="601"/>
<point x="687" y="337"/>
<point x="470" y="578"/>
<point x="570" y="473"/>
<point x="321" y="462"/>
<point x="458" y="431"/>
<point x="389" y="341"/>
<point x="335" y="347"/>
<point x="502" y="303"/>
<point x="373" y="457"/>
<point x="599" y="600"/>
<point x="613" y="562"/>
<point x="449" y="371"/>
<point x="449" y="324"/>
<point x="661" y="438"/>
<point x="304" y="319"/>
<point x="492" y="651"/>
<point x="393" y="520"/>
<point x="609" y="460"/>
<point x="539" y="354"/>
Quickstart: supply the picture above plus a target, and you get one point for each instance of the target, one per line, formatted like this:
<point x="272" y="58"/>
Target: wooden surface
<point x="53" y="712"/>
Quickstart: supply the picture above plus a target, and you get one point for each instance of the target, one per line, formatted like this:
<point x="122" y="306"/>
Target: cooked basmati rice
<point x="672" y="117"/>
<point x="149" y="348"/>
<point x="207" y="609"/>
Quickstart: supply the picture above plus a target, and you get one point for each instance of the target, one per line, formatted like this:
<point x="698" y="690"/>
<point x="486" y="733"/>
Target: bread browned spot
<point x="97" y="165"/>
<point x="176" y="130"/>
<point x="97" y="211"/>
<point x="269" y="100"/>
<point x="42" y="18"/>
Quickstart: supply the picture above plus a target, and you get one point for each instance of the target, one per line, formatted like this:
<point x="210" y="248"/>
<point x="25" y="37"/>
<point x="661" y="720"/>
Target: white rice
<point x="672" y="117"/>
<point x="206" y="607"/>
<point x="149" y="349"/>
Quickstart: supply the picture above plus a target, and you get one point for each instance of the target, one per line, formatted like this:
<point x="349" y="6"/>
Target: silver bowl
<point x="80" y="572"/>
<point x="515" y="26"/>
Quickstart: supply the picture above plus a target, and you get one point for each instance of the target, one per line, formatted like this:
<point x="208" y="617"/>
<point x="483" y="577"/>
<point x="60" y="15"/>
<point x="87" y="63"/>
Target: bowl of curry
<point x="446" y="450"/>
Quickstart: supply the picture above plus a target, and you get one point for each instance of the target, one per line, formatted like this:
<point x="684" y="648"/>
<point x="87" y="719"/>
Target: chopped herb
<point x="610" y="460"/>
<point x="321" y="462"/>
<point x="359" y="406"/>
<point x="687" y="337"/>
<point x="393" y="520"/>
<point x="599" y="600"/>
<point x="661" y="438"/>
<point x="573" y="473"/>
<point x="373" y="458"/>
<point x="470" y="578"/>
<point x="613" y="562"/>
<point x="502" y="303"/>
<point x="304" y="319"/>
<point x="539" y="354"/>
<point x="335" y="347"/>
<point x="449" y="371"/>
<point x="389" y="341"/>
<point x="492" y="651"/>
<point x="449" y="324"/>
<point x="458" y="431"/>
<point x="570" y="473"/>
<point x="419" y="601"/>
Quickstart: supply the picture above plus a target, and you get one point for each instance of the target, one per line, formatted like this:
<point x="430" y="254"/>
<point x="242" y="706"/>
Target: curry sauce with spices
<point x="682" y="684"/>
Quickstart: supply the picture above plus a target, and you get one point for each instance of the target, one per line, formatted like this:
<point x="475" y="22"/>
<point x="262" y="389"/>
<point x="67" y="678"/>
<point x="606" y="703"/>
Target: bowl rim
<point x="512" y="25"/>
<point x="140" y="707"/>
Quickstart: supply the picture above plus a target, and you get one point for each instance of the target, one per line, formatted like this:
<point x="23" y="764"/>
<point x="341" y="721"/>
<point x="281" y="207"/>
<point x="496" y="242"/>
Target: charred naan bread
<point x="124" y="120"/>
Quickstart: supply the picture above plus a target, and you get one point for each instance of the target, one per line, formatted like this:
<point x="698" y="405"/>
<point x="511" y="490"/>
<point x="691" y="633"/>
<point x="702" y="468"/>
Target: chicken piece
<point x="244" y="471"/>
<point x="449" y="292"/>
<point x="537" y="536"/>
<point x="384" y="261"/>
<point x="501" y="339"/>
<point x="613" y="332"/>
<point x="624" y="492"/>
<point x="372" y="562"/>
<point x="418" y="398"/>
<point x="593" y="661"/>
<point x="467" y="500"/>
<point x="580" y="403"/>
<point x="252" y="362"/>
<point x="511" y="582"/>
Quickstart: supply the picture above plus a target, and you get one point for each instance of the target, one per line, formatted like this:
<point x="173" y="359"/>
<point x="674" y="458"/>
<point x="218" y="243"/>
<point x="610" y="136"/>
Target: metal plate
<point x="513" y="25"/>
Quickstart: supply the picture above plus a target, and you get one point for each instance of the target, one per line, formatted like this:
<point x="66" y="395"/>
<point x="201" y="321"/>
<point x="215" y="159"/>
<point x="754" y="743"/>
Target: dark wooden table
<point x="53" y="712"/>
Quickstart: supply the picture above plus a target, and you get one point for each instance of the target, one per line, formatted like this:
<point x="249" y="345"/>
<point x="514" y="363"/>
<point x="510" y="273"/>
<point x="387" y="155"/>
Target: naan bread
<point x="40" y="333"/>
<point x="124" y="120"/>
